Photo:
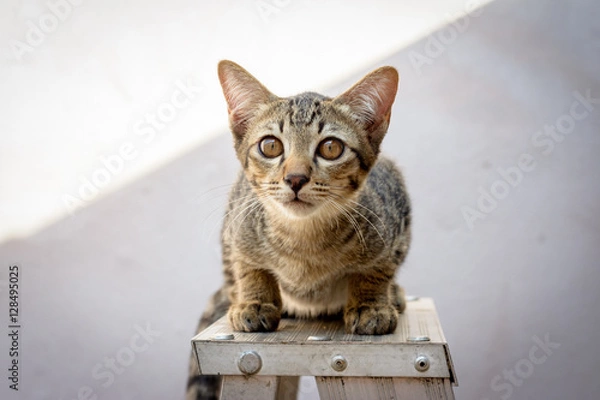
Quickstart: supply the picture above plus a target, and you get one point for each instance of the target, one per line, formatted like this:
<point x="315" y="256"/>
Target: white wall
<point x="79" y="79"/>
<point x="143" y="253"/>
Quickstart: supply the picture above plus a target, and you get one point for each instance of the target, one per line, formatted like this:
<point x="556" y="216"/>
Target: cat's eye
<point x="271" y="147"/>
<point x="331" y="148"/>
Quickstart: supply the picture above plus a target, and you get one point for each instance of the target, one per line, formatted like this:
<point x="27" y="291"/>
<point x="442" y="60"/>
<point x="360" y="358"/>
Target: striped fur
<point x="306" y="235"/>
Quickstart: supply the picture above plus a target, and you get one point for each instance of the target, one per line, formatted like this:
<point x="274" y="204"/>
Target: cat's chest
<point x="317" y="245"/>
<point x="311" y="289"/>
<point x="310" y="260"/>
<point x="309" y="273"/>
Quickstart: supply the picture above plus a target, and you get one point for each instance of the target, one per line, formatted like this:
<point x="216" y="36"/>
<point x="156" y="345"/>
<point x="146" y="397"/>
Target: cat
<point x="317" y="224"/>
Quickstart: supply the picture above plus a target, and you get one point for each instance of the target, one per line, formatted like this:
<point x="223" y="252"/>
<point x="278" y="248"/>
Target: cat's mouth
<point x="297" y="201"/>
<point x="298" y="205"/>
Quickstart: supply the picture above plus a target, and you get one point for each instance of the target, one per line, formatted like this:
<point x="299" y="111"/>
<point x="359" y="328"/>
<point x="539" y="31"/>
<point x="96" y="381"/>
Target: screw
<point x="422" y="363"/>
<point x="222" y="336"/>
<point x="249" y="362"/>
<point x="323" y="338"/>
<point x="418" y="339"/>
<point x="339" y="363"/>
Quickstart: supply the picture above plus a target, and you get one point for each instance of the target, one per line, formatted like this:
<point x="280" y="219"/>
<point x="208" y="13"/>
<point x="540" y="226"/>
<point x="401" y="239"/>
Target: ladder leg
<point x="237" y="387"/>
<point x="356" y="388"/>
<point x="288" y="388"/>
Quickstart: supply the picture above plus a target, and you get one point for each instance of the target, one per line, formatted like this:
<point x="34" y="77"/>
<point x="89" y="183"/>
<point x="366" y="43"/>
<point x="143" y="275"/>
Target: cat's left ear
<point x="370" y="101"/>
<point x="243" y="93"/>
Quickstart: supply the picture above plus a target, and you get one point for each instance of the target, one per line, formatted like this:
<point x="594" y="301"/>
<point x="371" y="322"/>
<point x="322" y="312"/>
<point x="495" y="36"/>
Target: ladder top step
<point x="419" y="320"/>
<point x="312" y="347"/>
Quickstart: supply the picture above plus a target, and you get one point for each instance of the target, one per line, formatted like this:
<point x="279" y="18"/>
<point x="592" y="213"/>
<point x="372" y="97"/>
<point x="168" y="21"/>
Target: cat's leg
<point x="258" y="302"/>
<point x="370" y="310"/>
<point x="206" y="387"/>
<point x="398" y="297"/>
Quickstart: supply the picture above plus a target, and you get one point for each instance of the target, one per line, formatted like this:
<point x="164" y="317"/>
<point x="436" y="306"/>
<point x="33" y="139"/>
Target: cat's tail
<point x="207" y="387"/>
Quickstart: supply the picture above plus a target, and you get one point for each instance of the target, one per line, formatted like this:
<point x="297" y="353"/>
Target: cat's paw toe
<point x="371" y="320"/>
<point x="254" y="317"/>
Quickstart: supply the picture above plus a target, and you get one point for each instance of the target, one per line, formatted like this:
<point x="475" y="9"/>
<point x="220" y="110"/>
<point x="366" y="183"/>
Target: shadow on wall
<point x="143" y="258"/>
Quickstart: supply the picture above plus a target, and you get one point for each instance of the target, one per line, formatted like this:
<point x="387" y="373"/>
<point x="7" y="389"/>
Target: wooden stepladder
<point x="411" y="364"/>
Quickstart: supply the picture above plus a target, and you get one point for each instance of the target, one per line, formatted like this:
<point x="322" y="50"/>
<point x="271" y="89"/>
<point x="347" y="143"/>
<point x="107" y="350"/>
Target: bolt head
<point x="250" y="363"/>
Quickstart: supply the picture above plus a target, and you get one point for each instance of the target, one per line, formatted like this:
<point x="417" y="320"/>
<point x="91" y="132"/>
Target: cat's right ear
<point x="243" y="93"/>
<point x="370" y="101"/>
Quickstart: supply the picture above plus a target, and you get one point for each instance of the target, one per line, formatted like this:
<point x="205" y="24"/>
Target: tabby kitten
<point x="316" y="224"/>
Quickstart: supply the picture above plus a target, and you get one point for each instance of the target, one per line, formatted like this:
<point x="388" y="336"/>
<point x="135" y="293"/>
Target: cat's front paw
<point x="254" y="317"/>
<point x="371" y="319"/>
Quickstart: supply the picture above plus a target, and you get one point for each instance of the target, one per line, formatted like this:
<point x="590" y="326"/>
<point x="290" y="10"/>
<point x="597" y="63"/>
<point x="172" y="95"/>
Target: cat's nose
<point x="296" y="181"/>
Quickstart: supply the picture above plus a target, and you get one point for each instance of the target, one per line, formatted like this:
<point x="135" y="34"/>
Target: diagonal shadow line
<point x="178" y="185"/>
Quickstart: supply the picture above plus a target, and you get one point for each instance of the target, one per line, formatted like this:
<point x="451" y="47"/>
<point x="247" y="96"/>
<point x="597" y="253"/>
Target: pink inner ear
<point x="243" y="93"/>
<point x="237" y="105"/>
<point x="371" y="99"/>
<point x="238" y="96"/>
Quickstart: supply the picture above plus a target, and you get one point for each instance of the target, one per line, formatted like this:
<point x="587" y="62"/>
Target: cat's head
<point x="307" y="153"/>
